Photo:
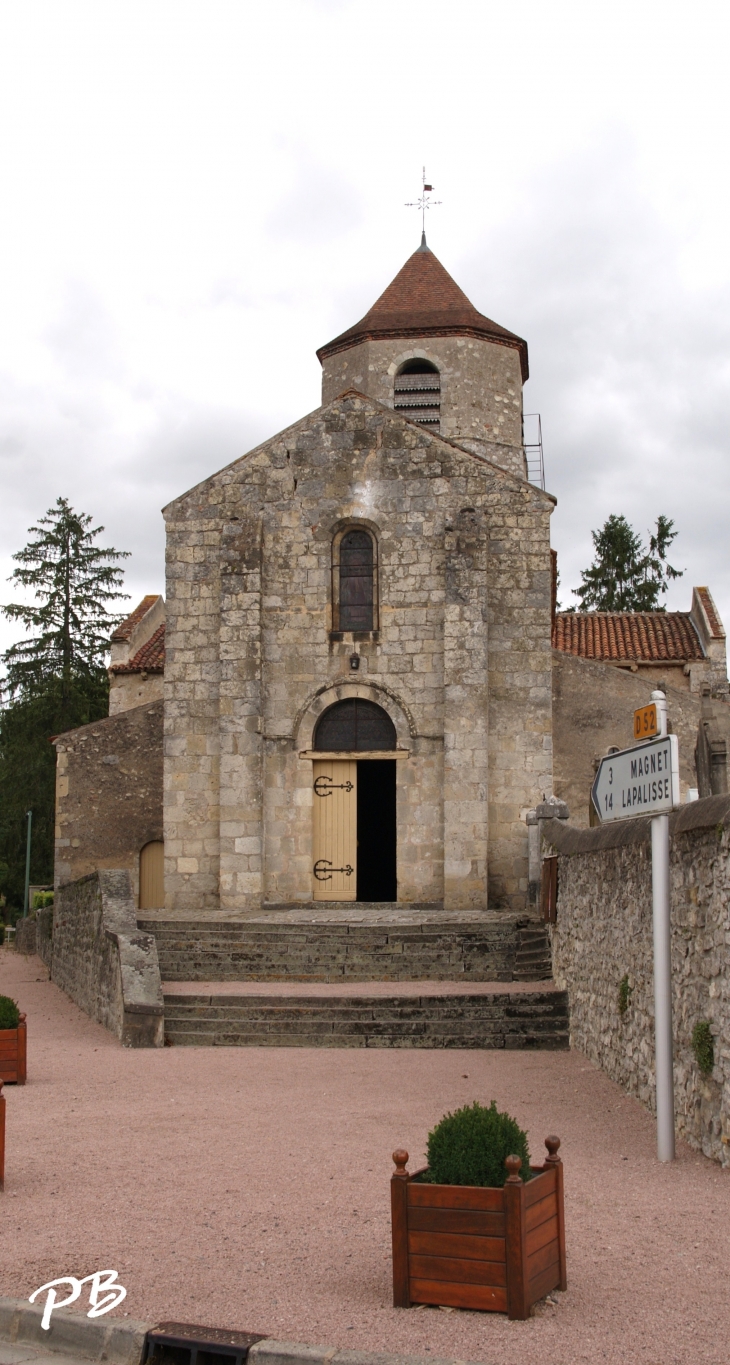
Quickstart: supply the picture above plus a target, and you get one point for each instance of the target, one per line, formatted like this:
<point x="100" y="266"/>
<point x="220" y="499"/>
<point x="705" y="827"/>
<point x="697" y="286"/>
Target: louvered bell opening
<point x="418" y="397"/>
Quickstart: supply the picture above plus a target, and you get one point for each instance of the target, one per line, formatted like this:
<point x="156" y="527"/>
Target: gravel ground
<point x="248" y="1188"/>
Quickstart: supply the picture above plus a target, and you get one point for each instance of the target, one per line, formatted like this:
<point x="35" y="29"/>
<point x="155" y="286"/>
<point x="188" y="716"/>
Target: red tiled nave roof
<point x="149" y="659"/>
<point x="125" y="628"/>
<point x="634" y="637"/>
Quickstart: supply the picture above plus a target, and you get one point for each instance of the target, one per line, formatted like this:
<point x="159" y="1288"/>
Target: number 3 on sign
<point x="645" y="722"/>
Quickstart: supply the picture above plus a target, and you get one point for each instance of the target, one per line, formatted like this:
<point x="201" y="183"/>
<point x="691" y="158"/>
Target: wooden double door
<point x="354" y="830"/>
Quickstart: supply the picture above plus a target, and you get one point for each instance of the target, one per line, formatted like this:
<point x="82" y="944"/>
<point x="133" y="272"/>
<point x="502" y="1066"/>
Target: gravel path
<point x="248" y="1188"/>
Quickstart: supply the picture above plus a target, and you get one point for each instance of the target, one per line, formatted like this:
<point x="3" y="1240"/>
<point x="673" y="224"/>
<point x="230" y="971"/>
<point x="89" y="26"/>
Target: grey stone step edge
<point x="121" y="1341"/>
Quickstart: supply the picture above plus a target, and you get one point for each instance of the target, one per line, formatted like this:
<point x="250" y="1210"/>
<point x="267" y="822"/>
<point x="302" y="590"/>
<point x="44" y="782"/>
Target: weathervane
<point x="424" y="202"/>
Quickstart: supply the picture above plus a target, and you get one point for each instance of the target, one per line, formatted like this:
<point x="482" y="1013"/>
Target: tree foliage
<point x="626" y="575"/>
<point x="55" y="677"/>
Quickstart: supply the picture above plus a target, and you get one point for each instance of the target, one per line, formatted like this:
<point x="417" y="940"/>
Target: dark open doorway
<point x="376" y="838"/>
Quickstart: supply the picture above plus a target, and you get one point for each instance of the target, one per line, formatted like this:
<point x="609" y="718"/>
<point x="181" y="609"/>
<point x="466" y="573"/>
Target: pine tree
<point x="55" y="678"/>
<point x="624" y="575"/>
<point x="73" y="581"/>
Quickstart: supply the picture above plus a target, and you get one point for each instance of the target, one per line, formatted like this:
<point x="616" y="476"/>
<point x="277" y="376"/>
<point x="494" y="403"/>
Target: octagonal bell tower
<point x="424" y="350"/>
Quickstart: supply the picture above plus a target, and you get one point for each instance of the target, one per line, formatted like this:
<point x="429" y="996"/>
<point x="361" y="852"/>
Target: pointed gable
<point x="423" y="300"/>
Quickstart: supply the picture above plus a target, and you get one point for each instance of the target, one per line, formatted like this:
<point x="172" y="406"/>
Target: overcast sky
<point x="195" y="196"/>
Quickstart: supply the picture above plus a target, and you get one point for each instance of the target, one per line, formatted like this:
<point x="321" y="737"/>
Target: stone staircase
<point x="369" y="976"/>
<point x="535" y="1020"/>
<point x="409" y="947"/>
<point x="533" y="959"/>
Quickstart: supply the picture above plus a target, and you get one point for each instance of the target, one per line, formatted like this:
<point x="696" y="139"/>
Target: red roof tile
<point x="634" y="637"/>
<point x="712" y="617"/>
<point x="125" y="628"/>
<point x="422" y="301"/>
<point x="149" y="659"/>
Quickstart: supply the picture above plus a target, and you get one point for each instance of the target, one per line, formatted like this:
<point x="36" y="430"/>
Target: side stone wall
<point x="108" y="793"/>
<point x="593" y="708"/>
<point x="603" y="936"/>
<point x="103" y="962"/>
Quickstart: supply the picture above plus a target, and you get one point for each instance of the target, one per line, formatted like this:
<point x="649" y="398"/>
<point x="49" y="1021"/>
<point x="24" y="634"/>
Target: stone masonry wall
<point x="251" y="658"/>
<point x="604" y="933"/>
<point x="481" y="389"/>
<point x="593" y="707"/>
<point x="108" y="793"/>
<point x="103" y="962"/>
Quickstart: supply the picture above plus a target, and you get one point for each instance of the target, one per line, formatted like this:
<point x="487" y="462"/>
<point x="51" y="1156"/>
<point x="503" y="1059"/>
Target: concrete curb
<point x="118" y="1341"/>
<point x="121" y="1341"/>
<point x="270" y="1352"/>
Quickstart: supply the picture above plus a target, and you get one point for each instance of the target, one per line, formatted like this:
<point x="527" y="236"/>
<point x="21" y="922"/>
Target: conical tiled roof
<point x="424" y="301"/>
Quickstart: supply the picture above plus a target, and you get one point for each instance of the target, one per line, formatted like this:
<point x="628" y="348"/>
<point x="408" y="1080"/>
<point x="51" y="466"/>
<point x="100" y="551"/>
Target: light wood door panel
<point x="334" y="871"/>
<point x="152" y="876"/>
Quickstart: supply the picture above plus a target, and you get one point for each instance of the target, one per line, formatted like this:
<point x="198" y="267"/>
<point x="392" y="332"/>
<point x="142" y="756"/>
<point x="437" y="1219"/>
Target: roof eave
<point x="356" y="336"/>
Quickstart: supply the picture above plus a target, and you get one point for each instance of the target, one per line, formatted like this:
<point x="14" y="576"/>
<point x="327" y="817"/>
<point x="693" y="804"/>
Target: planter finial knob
<point x="400" y="1158"/>
<point x="552" y="1144"/>
<point x="513" y="1164"/>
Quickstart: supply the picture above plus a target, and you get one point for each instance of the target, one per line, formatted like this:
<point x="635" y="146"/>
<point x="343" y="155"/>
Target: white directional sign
<point x="643" y="780"/>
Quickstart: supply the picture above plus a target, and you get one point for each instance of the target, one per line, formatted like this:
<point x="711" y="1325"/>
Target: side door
<point x="334" y="842"/>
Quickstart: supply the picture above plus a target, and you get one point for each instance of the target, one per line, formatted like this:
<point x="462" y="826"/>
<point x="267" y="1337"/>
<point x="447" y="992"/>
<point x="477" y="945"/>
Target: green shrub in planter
<point x="9" y="1013"/>
<point x="470" y="1147"/>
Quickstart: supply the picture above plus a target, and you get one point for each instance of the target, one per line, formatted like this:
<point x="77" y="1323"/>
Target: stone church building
<point x="363" y="665"/>
<point x="357" y="656"/>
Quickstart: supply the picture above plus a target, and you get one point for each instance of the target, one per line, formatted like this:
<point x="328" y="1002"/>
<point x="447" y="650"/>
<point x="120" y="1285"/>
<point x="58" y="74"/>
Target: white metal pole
<point x="663" y="1046"/>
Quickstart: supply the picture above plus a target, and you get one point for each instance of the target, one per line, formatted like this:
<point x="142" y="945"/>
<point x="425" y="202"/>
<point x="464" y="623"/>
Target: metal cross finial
<point x="424" y="202"/>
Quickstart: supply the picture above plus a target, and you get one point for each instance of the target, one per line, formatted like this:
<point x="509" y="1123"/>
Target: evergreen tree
<point x="55" y="678"/>
<point x="624" y="575"/>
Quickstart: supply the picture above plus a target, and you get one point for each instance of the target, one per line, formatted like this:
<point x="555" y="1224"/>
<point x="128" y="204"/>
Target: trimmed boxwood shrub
<point x="9" y="1013"/>
<point x="469" y="1147"/>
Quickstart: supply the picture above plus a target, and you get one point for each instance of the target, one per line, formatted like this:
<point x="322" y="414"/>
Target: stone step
<point x="297" y="950"/>
<point x="524" y="1020"/>
<point x="533" y="959"/>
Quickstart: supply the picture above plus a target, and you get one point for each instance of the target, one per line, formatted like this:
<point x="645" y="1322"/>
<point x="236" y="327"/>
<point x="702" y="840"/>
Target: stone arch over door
<point x="306" y="722"/>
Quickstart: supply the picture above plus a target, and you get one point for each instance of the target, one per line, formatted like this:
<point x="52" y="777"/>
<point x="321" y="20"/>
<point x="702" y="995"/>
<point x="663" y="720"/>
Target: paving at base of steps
<point x="248" y="1188"/>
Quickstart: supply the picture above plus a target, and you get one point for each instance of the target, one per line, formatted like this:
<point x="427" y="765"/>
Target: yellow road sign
<point x="646" y="722"/>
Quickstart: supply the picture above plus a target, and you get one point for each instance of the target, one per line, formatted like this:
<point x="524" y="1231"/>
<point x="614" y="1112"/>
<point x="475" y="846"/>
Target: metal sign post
<point x="663" y="1042"/>
<point x="644" y="780"/>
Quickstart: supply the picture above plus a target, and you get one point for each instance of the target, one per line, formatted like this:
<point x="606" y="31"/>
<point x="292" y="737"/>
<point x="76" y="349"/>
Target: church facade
<point x="357" y="685"/>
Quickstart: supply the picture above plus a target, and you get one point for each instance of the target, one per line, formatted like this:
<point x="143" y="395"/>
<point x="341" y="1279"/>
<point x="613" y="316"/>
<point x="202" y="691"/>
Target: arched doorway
<point x="152" y="876"/>
<point x="354" y="823"/>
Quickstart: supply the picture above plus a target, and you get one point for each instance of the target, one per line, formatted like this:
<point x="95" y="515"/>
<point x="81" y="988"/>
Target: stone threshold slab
<point x="335" y="914"/>
<point x="360" y="989"/>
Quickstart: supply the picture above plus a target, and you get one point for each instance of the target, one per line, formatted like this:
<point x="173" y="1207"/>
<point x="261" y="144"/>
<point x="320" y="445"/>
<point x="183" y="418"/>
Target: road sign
<point x="643" y="780"/>
<point x="646" y="722"/>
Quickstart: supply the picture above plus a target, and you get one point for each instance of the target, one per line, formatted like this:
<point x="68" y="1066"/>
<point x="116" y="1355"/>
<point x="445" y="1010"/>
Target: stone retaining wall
<point x="103" y="962"/>
<point x="603" y="935"/>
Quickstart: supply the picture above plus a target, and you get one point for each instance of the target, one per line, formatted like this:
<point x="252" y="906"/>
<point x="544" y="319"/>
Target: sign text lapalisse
<point x="643" y="780"/>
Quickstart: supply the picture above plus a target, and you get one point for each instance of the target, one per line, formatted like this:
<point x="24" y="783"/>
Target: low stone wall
<point x="103" y="962"/>
<point x="25" y="935"/>
<point x="603" y="936"/>
<point x="44" y="934"/>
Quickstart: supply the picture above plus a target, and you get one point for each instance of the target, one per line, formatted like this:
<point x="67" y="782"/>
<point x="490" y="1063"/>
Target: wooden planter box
<point x="464" y="1246"/>
<point x="13" y="1053"/>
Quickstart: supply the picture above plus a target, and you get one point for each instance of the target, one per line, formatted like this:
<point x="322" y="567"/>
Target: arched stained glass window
<point x="356" y="594"/>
